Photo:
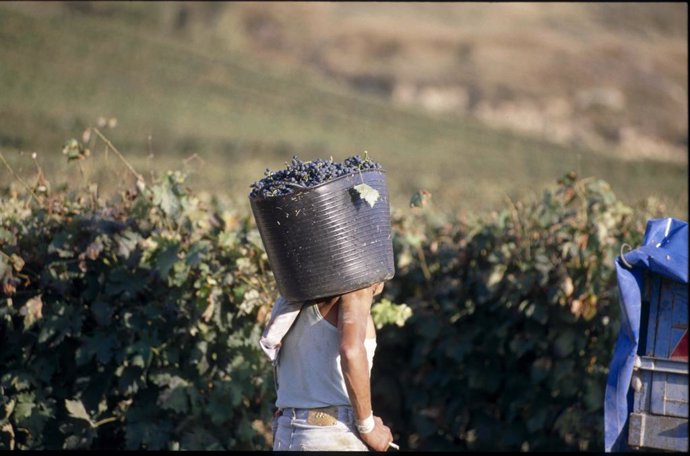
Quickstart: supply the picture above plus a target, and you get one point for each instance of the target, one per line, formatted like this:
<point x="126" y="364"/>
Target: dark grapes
<point x="299" y="174"/>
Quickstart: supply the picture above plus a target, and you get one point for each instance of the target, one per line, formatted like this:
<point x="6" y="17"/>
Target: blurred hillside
<point x="474" y="102"/>
<point x="609" y="76"/>
<point x="585" y="73"/>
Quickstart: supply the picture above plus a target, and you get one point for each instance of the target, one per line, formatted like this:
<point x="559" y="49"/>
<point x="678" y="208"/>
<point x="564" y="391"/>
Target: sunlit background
<point x="476" y="103"/>
<point x="141" y="314"/>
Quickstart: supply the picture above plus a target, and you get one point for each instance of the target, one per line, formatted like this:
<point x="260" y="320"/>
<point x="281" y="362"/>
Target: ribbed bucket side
<point x="326" y="240"/>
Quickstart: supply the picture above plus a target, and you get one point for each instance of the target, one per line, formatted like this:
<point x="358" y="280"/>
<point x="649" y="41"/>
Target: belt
<point x="322" y="416"/>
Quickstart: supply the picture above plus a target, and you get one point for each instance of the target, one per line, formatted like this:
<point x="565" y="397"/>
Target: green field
<point x="224" y="117"/>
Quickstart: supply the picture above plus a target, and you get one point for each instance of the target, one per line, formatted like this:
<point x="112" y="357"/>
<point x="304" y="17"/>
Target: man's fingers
<point x="377" y="288"/>
<point x="382" y="437"/>
<point x="379" y="422"/>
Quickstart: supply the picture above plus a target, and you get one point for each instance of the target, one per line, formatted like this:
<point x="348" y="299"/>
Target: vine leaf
<point x="32" y="311"/>
<point x="17" y="262"/>
<point x="7" y="428"/>
<point x="421" y="198"/>
<point x="76" y="410"/>
<point x="9" y="408"/>
<point x="75" y="150"/>
<point x="367" y="193"/>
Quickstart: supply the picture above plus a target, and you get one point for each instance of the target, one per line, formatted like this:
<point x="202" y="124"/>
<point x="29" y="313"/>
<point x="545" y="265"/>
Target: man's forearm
<point x="353" y="319"/>
<point x="355" y="367"/>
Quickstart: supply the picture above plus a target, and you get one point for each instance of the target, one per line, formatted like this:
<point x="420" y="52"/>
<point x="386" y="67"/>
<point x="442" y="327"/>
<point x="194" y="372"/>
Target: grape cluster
<point x="299" y="174"/>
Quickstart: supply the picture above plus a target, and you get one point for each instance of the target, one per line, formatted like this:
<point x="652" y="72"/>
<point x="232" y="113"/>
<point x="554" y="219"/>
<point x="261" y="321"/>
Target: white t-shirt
<point x="309" y="373"/>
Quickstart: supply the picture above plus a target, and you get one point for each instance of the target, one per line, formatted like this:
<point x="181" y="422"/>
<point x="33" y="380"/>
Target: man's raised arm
<point x="353" y="316"/>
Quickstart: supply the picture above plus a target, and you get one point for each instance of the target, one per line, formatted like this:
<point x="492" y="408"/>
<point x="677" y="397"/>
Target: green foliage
<point x="386" y="313"/>
<point x="134" y="324"/>
<point x="515" y="319"/>
<point x="131" y="324"/>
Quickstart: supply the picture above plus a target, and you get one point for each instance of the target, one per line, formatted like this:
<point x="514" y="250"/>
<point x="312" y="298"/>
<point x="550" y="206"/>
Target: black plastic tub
<point x="326" y="240"/>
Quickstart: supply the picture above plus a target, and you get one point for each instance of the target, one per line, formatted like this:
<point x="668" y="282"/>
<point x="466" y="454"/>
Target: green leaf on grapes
<point x="367" y="193"/>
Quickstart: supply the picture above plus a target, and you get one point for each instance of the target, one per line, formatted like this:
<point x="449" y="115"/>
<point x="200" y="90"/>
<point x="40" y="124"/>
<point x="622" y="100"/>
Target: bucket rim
<point x="300" y="190"/>
<point x="350" y="289"/>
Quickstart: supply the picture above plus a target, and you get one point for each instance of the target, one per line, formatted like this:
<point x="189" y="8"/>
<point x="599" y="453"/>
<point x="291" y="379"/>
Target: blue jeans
<point x="295" y="431"/>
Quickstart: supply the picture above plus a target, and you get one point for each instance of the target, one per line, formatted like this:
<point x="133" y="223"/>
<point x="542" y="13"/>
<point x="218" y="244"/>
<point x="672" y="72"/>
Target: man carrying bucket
<point x="326" y="230"/>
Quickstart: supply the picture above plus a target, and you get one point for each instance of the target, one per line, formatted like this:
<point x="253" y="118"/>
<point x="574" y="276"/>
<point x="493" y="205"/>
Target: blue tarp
<point x="664" y="251"/>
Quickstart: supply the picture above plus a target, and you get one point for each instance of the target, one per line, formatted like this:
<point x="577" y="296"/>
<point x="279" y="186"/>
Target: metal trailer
<point x="659" y="419"/>
<point x="646" y="398"/>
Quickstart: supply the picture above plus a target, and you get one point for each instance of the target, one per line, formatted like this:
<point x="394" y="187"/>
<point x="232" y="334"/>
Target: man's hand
<point x="380" y="438"/>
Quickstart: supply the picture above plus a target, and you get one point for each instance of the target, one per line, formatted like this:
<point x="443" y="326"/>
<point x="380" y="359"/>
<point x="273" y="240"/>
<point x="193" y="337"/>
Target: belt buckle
<point x="324" y="416"/>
